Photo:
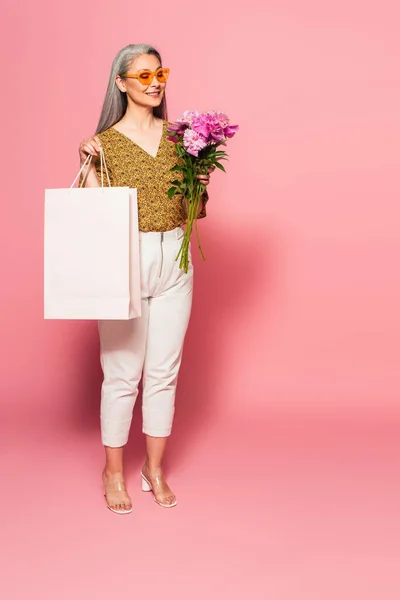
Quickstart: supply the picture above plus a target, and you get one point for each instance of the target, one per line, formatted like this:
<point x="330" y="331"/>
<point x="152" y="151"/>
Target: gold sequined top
<point x="129" y="165"/>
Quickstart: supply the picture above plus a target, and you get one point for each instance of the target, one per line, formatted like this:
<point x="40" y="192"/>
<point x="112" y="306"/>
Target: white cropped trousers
<point x="149" y="346"/>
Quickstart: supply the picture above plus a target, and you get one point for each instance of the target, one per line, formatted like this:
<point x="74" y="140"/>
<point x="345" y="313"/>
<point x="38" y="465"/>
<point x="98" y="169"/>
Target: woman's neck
<point x="138" y="118"/>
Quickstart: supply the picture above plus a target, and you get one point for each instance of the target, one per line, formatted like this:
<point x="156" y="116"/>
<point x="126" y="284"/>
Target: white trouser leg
<point x="169" y="315"/>
<point x="122" y="352"/>
<point x="154" y="340"/>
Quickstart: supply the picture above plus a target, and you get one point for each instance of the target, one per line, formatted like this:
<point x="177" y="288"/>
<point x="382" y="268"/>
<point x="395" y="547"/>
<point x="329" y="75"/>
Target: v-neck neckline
<point x="140" y="147"/>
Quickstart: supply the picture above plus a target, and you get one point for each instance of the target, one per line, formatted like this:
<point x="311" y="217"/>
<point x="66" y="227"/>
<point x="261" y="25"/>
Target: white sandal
<point x="116" y="486"/>
<point x="147" y="487"/>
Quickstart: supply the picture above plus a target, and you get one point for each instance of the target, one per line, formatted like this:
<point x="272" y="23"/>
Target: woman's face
<point x="145" y="95"/>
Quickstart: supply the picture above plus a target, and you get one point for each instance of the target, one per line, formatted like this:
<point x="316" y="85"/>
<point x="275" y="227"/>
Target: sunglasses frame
<point x="151" y="73"/>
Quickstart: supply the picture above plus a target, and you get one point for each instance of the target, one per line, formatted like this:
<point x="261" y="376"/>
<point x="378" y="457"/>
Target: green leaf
<point x="176" y="182"/>
<point x="177" y="168"/>
<point x="171" y="192"/>
<point x="219" y="166"/>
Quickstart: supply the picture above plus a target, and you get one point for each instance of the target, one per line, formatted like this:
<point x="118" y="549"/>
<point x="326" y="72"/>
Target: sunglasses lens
<point x="162" y="75"/>
<point x="145" y="77"/>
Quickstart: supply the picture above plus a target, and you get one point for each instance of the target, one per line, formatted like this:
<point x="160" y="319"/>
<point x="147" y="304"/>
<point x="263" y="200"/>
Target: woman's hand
<point x="205" y="179"/>
<point x="89" y="146"/>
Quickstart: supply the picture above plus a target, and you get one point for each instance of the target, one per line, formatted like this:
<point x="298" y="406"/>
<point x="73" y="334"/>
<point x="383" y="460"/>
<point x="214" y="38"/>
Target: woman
<point x="133" y="138"/>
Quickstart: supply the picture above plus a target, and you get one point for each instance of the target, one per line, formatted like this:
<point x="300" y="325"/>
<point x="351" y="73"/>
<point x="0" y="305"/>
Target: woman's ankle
<point x="109" y="472"/>
<point x="152" y="467"/>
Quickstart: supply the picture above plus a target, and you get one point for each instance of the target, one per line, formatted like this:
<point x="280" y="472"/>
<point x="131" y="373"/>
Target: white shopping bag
<point x="91" y="253"/>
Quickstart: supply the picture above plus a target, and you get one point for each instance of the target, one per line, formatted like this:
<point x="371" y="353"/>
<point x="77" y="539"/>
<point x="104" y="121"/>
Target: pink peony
<point x="217" y="135"/>
<point x="207" y="126"/>
<point x="221" y="118"/>
<point x="184" y="122"/>
<point x="188" y="117"/>
<point x="177" y="128"/>
<point x="193" y="142"/>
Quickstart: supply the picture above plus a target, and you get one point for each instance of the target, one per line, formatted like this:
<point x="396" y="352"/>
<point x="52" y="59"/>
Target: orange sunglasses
<point x="146" y="77"/>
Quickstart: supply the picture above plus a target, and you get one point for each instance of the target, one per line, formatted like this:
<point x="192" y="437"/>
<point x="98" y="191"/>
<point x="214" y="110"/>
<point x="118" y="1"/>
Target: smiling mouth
<point x="153" y="93"/>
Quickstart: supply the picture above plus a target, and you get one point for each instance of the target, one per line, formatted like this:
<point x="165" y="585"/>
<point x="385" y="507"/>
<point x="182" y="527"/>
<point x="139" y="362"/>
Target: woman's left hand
<point x="205" y="179"/>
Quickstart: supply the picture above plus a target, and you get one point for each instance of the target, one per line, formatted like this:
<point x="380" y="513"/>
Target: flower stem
<point x="192" y="209"/>
<point x="198" y="240"/>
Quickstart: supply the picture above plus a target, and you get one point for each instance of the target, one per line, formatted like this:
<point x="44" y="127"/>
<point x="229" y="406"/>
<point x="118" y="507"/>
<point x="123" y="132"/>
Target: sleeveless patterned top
<point x="130" y="165"/>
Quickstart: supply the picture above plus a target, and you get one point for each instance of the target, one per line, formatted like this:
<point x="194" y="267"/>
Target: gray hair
<point x="115" y="102"/>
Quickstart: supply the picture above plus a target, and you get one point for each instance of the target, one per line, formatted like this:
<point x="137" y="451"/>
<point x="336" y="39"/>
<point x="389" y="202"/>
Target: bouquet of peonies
<point x="197" y="137"/>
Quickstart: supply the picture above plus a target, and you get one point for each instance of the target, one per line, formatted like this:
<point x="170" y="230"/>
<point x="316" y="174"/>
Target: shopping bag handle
<point x="103" y="167"/>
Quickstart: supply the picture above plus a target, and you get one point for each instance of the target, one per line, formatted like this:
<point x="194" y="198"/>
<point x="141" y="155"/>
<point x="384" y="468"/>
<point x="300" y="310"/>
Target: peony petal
<point x="230" y="130"/>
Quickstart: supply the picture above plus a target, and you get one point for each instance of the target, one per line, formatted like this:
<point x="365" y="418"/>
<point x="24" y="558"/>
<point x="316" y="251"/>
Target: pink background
<point x="293" y="349"/>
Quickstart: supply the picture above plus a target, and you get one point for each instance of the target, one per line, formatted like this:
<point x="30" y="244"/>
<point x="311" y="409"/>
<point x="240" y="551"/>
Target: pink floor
<point x="295" y="504"/>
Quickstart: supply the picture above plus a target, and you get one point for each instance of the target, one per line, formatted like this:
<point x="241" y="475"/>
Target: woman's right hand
<point x="89" y="146"/>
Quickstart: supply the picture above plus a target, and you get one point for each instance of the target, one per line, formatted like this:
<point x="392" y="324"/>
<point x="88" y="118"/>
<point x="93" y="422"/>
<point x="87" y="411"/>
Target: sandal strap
<point x="115" y="486"/>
